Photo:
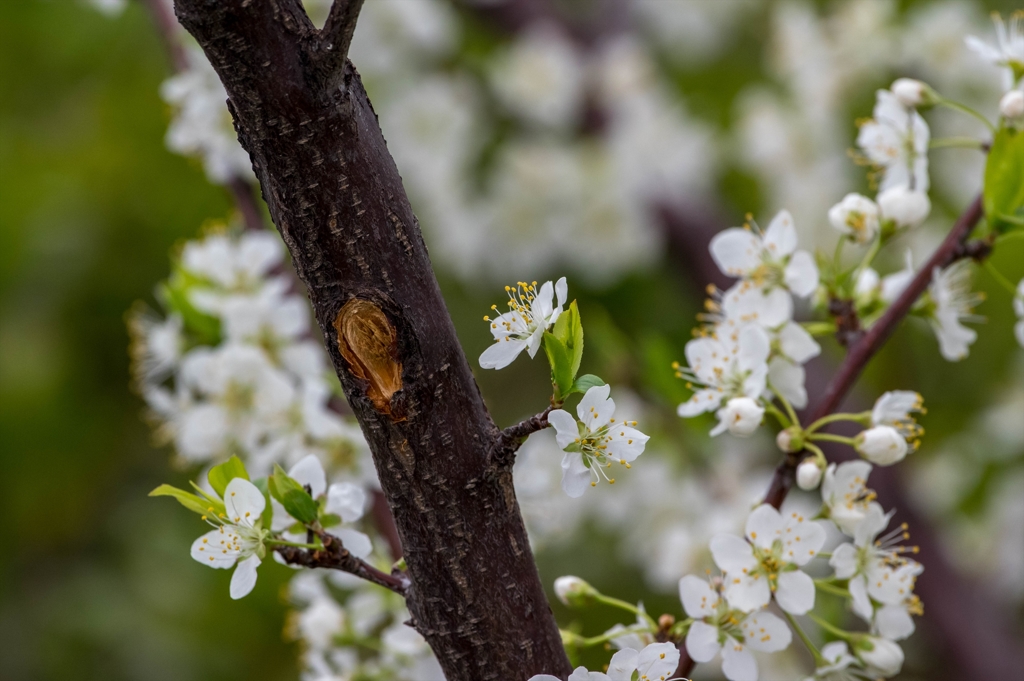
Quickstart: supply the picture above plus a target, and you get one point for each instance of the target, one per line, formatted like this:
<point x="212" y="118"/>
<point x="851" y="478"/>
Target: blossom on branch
<point x="595" y="442"/>
<point x="238" y="538"/>
<point x="896" y="141"/>
<point x="531" y="313"/>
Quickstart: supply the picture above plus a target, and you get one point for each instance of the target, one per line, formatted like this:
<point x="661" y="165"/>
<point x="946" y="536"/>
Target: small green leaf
<point x="586" y="382"/>
<point x="194" y="503"/>
<point x="561" y="366"/>
<point x="574" y="343"/>
<point x="1004" y="178"/>
<point x="220" y="476"/>
<point x="292" y="496"/>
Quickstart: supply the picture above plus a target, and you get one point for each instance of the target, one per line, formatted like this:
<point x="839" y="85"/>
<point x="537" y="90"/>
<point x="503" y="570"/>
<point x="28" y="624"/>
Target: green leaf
<point x="585" y="383"/>
<point x="175" y="295"/>
<point x="561" y="366"/>
<point x="574" y="342"/>
<point x="292" y="496"/>
<point x="192" y="502"/>
<point x="220" y="476"/>
<point x="1004" y="178"/>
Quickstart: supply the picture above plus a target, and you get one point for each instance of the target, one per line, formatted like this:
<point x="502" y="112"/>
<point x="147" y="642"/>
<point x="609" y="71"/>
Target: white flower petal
<point x="702" y="642"/>
<point x="794" y="592"/>
<point x="357" y="543"/>
<point x="802" y="274"/>
<point x="736" y="251"/>
<point x="765" y="632"/>
<point x="658" y="661"/>
<point x="309" y="471"/>
<point x="243" y="501"/>
<point x="731" y="553"/>
<point x="213" y="549"/>
<point x="575" y="475"/>
<point x="566" y="430"/>
<point x="780" y="237"/>
<point x="764" y="526"/>
<point x="738" y="663"/>
<point x="244" y="578"/>
<point x="502" y="353"/>
<point x="346" y="500"/>
<point x="698" y="598"/>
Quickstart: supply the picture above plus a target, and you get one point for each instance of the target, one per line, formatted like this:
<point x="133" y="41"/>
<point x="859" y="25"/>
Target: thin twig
<point x="334" y="556"/>
<point x="953" y="248"/>
<point x="511" y="439"/>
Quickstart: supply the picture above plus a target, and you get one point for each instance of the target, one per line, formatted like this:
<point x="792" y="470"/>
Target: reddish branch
<point x="334" y="556"/>
<point x="864" y="346"/>
<point x="860" y="352"/>
<point x="510" y="439"/>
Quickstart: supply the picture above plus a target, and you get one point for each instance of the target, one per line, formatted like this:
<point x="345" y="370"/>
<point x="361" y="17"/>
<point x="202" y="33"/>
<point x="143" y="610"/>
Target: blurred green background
<point x="95" y="579"/>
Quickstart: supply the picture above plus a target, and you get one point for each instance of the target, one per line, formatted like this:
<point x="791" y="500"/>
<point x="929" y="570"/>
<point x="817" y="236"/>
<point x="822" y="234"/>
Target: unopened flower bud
<point x="882" y="445"/>
<point x="573" y="591"/>
<point x="904" y="206"/>
<point x="1011" y="106"/>
<point x="808" y="475"/>
<point x="912" y="93"/>
<point x="740" y="415"/>
<point x="883" y="656"/>
<point x="790" y="440"/>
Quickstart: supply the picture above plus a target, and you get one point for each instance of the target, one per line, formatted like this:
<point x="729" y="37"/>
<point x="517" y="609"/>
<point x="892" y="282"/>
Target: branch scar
<point x="369" y="344"/>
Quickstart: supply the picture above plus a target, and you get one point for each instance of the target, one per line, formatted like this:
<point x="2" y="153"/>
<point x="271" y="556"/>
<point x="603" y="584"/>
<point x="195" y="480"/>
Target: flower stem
<point x="1000" y="277"/>
<point x="832" y="438"/>
<point x="789" y="408"/>
<point x="779" y="416"/>
<point x="818" y="659"/>
<point x="832" y="418"/>
<point x="955" y="142"/>
<point x="827" y="587"/>
<point x="830" y="628"/>
<point x="963" y="108"/>
<point x="601" y="638"/>
<point x="818" y="328"/>
<point x="629" y="607"/>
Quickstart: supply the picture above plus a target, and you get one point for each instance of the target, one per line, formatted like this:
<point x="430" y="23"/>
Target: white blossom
<point x="572" y="590"/>
<point x="885" y="657"/>
<point x="896" y="140"/>
<point x="846" y="496"/>
<point x="157" y="346"/>
<point x="721" y="628"/>
<point x="595" y="442"/>
<point x="232" y="264"/>
<point x="856" y="216"/>
<point x="808" y="475"/>
<point x="767" y="260"/>
<point x="1011" y="106"/>
<point x="895" y="408"/>
<point x="894" y="284"/>
<point x="656" y="662"/>
<point x="949" y="303"/>
<point x="540" y="77"/>
<point x="838" y="660"/>
<point x="202" y="124"/>
<point x="768" y="561"/>
<point x="910" y="92"/>
<point x="740" y="416"/>
<point x="792" y="347"/>
<point x="904" y="206"/>
<point x="882" y="445"/>
<point x="1008" y="52"/>
<point x="531" y="313"/>
<point x="876" y="568"/>
<point x="238" y="538"/>
<point x="719" y="371"/>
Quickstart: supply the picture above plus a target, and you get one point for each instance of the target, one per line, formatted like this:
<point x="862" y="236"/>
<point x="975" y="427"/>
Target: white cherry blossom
<point x="910" y="92"/>
<point x="767" y="562"/>
<point x="904" y="206"/>
<point x="720" y="370"/>
<point x="949" y="303"/>
<point x="876" y="567"/>
<point x="837" y="667"/>
<point x="855" y="216"/>
<point x="595" y="442"/>
<point x="1008" y="52"/>
<point x="882" y="445"/>
<point x="157" y="345"/>
<point x="235" y="264"/>
<point x="767" y="260"/>
<point x="238" y="537"/>
<point x="808" y="475"/>
<point x="740" y="416"/>
<point x="792" y="347"/>
<point x="846" y="496"/>
<point x="884" y="657"/>
<point x="896" y="140"/>
<point x="896" y="408"/>
<point x="1011" y="106"/>
<point x="656" y="662"/>
<point x="531" y="313"/>
<point x="721" y="628"/>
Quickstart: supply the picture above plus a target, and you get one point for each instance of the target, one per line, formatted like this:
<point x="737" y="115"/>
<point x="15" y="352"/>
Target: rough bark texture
<point x="335" y="194"/>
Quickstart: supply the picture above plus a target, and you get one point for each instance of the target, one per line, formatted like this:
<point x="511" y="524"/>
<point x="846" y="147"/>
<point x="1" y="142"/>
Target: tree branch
<point x="511" y="439"/>
<point x="334" y="39"/>
<point x="334" y="556"/>
<point x="952" y="248"/>
<point x="336" y="196"/>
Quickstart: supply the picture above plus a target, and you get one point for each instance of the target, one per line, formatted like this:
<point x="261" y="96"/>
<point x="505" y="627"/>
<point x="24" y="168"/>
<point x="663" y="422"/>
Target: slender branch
<point x="247" y="203"/>
<point x="334" y="39"/>
<point x="334" y="556"/>
<point x="954" y="247"/>
<point x="167" y="28"/>
<point x="385" y="523"/>
<point x="511" y="439"/>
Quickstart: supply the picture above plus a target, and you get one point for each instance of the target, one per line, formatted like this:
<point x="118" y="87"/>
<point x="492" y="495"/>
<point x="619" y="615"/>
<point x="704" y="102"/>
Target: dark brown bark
<point x="334" y="193"/>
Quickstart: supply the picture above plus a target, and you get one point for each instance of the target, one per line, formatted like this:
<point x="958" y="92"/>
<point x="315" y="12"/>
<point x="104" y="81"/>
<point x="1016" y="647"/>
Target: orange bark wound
<point x="368" y="342"/>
